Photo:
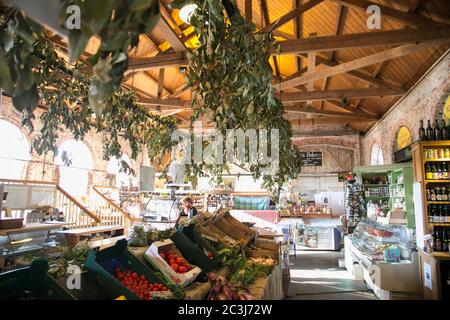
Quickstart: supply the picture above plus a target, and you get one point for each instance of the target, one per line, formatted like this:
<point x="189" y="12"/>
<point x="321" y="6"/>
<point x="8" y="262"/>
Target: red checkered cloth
<point x="272" y="216"/>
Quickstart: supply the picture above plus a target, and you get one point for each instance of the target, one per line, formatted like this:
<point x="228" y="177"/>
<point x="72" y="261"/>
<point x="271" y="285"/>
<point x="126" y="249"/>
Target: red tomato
<point x="174" y="266"/>
<point x="182" y="269"/>
<point x="180" y="260"/>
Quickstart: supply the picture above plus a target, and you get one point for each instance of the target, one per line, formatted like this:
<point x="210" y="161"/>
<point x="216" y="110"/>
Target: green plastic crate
<point x="32" y="282"/>
<point x="103" y="263"/>
<point x="192" y="247"/>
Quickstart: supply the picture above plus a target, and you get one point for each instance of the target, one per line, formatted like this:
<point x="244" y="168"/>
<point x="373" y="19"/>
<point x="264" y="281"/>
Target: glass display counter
<point x="18" y="247"/>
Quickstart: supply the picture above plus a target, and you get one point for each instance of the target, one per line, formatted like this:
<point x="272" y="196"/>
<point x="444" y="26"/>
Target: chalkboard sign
<point x="311" y="159"/>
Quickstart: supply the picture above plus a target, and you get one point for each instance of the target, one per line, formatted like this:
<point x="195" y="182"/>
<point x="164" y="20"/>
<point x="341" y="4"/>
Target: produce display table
<point x="269" y="288"/>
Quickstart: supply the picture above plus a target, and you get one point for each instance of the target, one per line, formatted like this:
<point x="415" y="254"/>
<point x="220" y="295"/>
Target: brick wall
<point x="425" y="101"/>
<point x="37" y="170"/>
<point x="339" y="153"/>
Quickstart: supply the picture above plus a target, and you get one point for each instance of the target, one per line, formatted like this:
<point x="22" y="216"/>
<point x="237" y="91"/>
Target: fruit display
<point x="138" y="284"/>
<point x="176" y="261"/>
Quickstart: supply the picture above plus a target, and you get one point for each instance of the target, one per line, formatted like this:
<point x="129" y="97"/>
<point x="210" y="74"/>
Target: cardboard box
<point x="152" y="256"/>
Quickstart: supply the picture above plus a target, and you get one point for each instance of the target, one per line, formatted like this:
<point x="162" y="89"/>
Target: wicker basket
<point x="11" y="223"/>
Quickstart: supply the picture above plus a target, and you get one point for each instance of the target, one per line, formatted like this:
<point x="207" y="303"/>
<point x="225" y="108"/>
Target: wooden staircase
<point x="99" y="216"/>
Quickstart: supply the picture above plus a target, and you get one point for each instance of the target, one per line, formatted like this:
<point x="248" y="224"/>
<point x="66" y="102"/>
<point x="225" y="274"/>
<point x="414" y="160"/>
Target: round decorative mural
<point x="404" y="138"/>
<point x="446" y="111"/>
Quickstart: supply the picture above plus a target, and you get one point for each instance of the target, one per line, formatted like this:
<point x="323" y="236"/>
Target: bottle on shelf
<point x="444" y="194"/>
<point x="438" y="194"/>
<point x="431" y="213"/>
<point x="422" y="133"/>
<point x="444" y="240"/>
<point x="434" y="171"/>
<point x="429" y="131"/>
<point x="444" y="131"/>
<point x="444" y="171"/>
<point x="428" y="173"/>
<point x="437" y="131"/>
<point x="440" y="153"/>
<point x="437" y="240"/>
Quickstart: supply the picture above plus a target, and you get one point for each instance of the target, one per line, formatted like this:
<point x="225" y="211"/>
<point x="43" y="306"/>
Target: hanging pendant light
<point x="187" y="11"/>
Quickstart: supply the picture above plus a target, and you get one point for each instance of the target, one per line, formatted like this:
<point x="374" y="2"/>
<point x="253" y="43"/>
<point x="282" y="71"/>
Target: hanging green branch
<point x="231" y="78"/>
<point x="63" y="91"/>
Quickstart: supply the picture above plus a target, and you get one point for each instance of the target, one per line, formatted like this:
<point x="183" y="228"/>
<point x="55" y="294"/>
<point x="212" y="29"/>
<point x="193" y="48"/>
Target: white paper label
<point x="427" y="281"/>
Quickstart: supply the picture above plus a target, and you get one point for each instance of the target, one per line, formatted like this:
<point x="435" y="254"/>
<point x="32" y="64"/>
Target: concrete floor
<point x="315" y="275"/>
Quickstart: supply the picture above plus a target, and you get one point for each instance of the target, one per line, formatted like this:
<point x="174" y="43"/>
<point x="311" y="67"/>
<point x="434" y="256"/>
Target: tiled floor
<point x="315" y="275"/>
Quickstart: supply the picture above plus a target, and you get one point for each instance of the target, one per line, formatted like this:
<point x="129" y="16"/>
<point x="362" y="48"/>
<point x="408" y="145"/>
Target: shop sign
<point x="311" y="159"/>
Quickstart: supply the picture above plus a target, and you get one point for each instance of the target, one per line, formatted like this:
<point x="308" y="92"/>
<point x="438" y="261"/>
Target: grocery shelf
<point x="438" y="160"/>
<point x="439" y="224"/>
<point x="438" y="202"/>
<point x="438" y="181"/>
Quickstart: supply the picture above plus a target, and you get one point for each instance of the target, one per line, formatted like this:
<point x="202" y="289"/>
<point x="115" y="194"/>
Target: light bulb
<point x="187" y="11"/>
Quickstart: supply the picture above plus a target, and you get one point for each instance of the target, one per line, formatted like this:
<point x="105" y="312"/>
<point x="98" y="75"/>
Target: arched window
<point x="14" y="151"/>
<point x="376" y="157"/>
<point x="115" y="167"/>
<point x="75" y="161"/>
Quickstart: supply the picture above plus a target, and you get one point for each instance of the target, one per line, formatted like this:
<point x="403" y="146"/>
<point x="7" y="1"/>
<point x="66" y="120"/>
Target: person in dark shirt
<point x="188" y="207"/>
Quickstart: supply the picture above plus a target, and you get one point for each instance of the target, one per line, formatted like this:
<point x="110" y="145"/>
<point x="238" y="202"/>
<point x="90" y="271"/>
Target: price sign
<point x="311" y="159"/>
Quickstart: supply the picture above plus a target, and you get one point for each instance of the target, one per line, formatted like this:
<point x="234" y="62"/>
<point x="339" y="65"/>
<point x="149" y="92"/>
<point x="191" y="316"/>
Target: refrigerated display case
<point x="161" y="213"/>
<point x="368" y="256"/>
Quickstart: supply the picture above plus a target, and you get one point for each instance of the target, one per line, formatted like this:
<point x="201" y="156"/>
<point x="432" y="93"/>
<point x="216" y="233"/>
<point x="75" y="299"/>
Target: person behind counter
<point x="188" y="207"/>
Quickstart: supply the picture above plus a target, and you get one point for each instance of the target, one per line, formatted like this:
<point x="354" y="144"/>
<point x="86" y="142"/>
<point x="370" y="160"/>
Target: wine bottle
<point x="430" y="214"/>
<point x="422" y="133"/>
<point x="437" y="240"/>
<point x="429" y="131"/>
<point x="428" y="173"/>
<point x="444" y="131"/>
<point x="437" y="131"/>
<point x="434" y="171"/>
<point x="438" y="194"/>
<point x="444" y="241"/>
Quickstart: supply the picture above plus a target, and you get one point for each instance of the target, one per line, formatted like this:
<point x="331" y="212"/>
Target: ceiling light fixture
<point x="187" y="11"/>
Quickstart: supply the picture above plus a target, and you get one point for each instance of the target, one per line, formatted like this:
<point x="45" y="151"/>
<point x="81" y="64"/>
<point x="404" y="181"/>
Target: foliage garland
<point x="64" y="91"/>
<point x="231" y="78"/>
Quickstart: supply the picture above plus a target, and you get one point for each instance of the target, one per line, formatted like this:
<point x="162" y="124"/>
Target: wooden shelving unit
<point x="429" y="261"/>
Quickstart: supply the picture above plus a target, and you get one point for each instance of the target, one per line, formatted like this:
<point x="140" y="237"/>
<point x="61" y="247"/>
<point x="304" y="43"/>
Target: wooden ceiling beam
<point x="291" y="15"/>
<point x="338" y="26"/>
<point x="159" y="61"/>
<point x="391" y="13"/>
<point x="170" y="35"/>
<point x="340" y="94"/>
<point x="248" y="10"/>
<point x="178" y="91"/>
<point x="329" y="43"/>
<point x="266" y="18"/>
<point x="327" y="121"/>
<point x="357" y="74"/>
<point x="303" y="109"/>
<point x="165" y="103"/>
<point x="160" y="83"/>
<point x="361" y="63"/>
<point x="363" y="40"/>
<point x="298" y="29"/>
<point x="165" y="12"/>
